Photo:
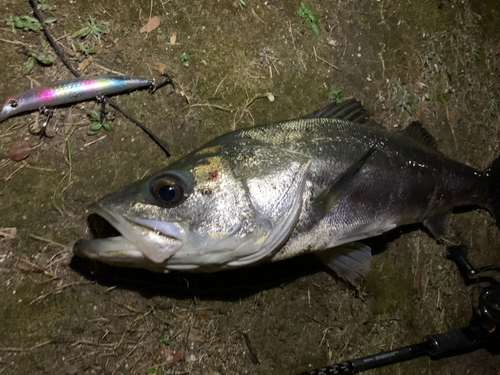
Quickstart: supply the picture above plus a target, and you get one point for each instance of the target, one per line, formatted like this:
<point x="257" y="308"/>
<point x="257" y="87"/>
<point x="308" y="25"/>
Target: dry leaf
<point x="177" y="355"/>
<point x="151" y="25"/>
<point x="85" y="63"/>
<point x="332" y="42"/>
<point x="130" y="308"/>
<point x="25" y="265"/>
<point x="160" y="354"/>
<point x="455" y="116"/>
<point x="19" y="151"/>
<point x="195" y="335"/>
<point x="160" y="67"/>
<point x="8" y="233"/>
<point x="173" y="38"/>
<point x="421" y="115"/>
<point x="205" y="317"/>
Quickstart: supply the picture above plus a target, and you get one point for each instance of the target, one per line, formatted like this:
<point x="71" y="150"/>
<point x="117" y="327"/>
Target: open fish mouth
<point x="129" y="241"/>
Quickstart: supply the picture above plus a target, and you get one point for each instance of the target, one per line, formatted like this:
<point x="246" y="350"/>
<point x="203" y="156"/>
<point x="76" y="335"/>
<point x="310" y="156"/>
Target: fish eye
<point x="13" y="103"/>
<point x="168" y="190"/>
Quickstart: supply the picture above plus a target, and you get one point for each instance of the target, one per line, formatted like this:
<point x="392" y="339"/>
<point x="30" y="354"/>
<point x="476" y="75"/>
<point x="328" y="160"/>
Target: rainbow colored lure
<point x="72" y="91"/>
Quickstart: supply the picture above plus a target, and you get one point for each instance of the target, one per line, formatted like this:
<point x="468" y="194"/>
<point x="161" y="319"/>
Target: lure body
<point x="71" y="91"/>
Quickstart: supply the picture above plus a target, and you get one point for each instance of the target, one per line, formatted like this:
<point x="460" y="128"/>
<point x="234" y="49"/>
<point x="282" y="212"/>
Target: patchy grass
<point x="308" y="17"/>
<point x="404" y="101"/>
<point x="27" y="23"/>
<point x="184" y="58"/>
<point x="334" y="94"/>
<point x="92" y="27"/>
<point x="99" y="122"/>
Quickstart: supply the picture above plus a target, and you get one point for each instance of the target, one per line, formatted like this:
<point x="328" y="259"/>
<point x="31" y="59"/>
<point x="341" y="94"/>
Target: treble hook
<point x="168" y="81"/>
<point x="48" y="113"/>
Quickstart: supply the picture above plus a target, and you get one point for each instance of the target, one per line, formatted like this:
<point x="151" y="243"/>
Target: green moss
<point x="26" y="325"/>
<point x="391" y="283"/>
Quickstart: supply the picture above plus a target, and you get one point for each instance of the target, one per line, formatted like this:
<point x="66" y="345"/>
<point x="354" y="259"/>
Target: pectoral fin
<point x="340" y="187"/>
<point x="350" y="261"/>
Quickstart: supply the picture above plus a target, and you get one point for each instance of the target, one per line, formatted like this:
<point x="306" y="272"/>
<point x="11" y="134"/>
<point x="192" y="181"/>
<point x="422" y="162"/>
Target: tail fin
<point x="493" y="203"/>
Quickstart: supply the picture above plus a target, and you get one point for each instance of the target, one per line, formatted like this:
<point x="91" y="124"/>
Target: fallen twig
<point x="59" y="290"/>
<point x="26" y="349"/>
<point x="13" y="173"/>
<point x="97" y="140"/>
<point x="48" y="241"/>
<point x="13" y="42"/>
<point x="41" y="169"/>
<point x="107" y="69"/>
<point x="222" y="108"/>
<point x="326" y="62"/>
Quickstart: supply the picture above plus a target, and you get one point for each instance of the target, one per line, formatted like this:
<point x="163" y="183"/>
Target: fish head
<point x="211" y="210"/>
<point x="10" y="108"/>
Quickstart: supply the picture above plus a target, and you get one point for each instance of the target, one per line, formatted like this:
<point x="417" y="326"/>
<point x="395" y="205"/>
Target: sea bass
<point x="317" y="184"/>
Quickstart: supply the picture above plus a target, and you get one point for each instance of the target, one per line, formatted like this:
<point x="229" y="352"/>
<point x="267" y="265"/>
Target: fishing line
<point x="59" y="53"/>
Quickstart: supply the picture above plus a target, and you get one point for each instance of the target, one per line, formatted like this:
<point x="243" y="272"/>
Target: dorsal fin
<point x="350" y="110"/>
<point x="417" y="132"/>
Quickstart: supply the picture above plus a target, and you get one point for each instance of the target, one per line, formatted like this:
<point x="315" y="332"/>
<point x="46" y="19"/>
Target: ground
<point x="432" y="61"/>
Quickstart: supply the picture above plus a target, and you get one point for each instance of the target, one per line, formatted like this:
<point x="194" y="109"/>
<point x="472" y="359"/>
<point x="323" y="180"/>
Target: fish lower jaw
<point x="118" y="251"/>
<point x="111" y="250"/>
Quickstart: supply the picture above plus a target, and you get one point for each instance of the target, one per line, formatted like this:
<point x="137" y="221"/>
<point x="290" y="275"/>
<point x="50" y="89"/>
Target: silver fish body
<point x="275" y="191"/>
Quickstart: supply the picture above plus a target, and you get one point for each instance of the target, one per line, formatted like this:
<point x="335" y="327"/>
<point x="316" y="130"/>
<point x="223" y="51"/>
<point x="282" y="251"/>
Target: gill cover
<point x="274" y="181"/>
<point x="244" y="203"/>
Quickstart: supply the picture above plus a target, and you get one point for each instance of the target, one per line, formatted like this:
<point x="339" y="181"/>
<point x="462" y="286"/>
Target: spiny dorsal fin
<point x="350" y="110"/>
<point x="417" y="132"/>
<point x="350" y="261"/>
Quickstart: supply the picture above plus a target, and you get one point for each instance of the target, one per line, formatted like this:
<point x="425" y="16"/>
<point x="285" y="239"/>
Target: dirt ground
<point x="437" y="61"/>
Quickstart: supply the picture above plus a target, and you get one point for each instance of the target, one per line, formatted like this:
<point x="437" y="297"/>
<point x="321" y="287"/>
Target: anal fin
<point x="350" y="261"/>
<point x="437" y="225"/>
<point x="417" y="132"/>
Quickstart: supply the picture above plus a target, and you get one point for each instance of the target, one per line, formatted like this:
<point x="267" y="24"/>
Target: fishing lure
<point x="73" y="91"/>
